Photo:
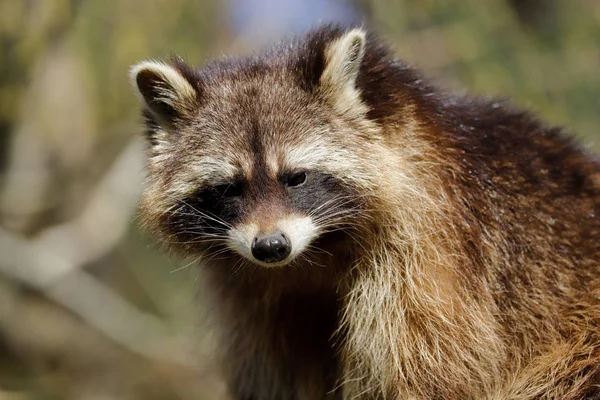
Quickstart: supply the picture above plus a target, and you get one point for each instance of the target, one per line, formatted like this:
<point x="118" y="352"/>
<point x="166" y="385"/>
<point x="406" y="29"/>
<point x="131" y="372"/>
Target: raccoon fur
<point x="364" y="235"/>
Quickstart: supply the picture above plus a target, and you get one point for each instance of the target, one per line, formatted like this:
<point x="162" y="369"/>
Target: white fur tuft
<point x="301" y="231"/>
<point x="173" y="89"/>
<point x="338" y="81"/>
<point x="240" y="239"/>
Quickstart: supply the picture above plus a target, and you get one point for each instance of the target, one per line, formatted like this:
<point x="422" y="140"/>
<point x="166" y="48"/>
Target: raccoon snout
<point x="271" y="248"/>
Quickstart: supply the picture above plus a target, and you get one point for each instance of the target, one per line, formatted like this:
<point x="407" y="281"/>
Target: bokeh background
<point x="89" y="309"/>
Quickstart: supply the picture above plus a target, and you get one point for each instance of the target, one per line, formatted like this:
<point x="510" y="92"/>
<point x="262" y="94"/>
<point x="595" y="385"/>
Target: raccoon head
<point x="259" y="157"/>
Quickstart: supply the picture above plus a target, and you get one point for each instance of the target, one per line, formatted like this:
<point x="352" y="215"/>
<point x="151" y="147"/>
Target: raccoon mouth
<point x="278" y="247"/>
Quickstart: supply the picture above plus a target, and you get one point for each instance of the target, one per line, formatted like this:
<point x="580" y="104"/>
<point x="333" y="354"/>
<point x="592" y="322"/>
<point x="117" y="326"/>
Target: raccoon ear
<point x="163" y="91"/>
<point x="343" y="58"/>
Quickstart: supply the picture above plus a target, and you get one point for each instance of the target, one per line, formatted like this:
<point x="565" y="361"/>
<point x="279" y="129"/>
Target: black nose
<point x="271" y="248"/>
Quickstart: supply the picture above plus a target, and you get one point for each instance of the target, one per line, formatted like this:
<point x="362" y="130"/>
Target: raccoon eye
<point x="234" y="189"/>
<point x="297" y="179"/>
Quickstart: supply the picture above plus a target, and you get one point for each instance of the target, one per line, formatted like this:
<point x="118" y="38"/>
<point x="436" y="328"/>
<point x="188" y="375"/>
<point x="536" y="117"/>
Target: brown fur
<point x="469" y="268"/>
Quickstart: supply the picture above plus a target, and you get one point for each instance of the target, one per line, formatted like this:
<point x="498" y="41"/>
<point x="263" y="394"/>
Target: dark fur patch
<point x="210" y="210"/>
<point x="150" y="85"/>
<point x="308" y="59"/>
<point x="320" y="189"/>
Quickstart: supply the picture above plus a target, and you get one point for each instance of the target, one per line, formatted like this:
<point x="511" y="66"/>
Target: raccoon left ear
<point x="343" y="58"/>
<point x="163" y="90"/>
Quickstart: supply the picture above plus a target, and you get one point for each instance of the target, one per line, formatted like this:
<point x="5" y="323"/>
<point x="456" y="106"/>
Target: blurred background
<point x="89" y="309"/>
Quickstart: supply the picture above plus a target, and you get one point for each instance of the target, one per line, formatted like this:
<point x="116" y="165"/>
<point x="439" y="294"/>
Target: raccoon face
<point x="255" y="158"/>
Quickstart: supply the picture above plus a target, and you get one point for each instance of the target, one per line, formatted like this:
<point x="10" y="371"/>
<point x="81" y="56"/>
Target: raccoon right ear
<point x="163" y="91"/>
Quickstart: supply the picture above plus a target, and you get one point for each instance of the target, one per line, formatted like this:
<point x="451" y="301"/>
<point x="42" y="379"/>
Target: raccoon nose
<point x="271" y="248"/>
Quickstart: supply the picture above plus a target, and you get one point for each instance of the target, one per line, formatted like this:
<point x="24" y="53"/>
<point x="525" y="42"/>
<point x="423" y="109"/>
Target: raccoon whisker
<point x="204" y="235"/>
<point x="187" y="214"/>
<point x="333" y="210"/>
<point x="313" y="263"/>
<point x="333" y="227"/>
<point x="199" y="214"/>
<point x="217" y="241"/>
<point x="186" y="265"/>
<point x="200" y="237"/>
<point x="316" y="249"/>
<point x="348" y="219"/>
<point x="351" y="232"/>
<point x="181" y="268"/>
<point x="306" y="257"/>
<point x="212" y="256"/>
<point x="326" y="204"/>
<point x="211" y="217"/>
<point x="238" y="266"/>
<point x="335" y="203"/>
<point x="339" y="203"/>
<point x="201" y="230"/>
<point x="219" y="248"/>
<point x="175" y="240"/>
<point x="356" y="240"/>
<point x="222" y="225"/>
<point x="336" y="219"/>
<point x="337" y="216"/>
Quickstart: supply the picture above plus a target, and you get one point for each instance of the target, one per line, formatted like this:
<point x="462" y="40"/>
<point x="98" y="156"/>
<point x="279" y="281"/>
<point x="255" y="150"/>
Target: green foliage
<point x="545" y="58"/>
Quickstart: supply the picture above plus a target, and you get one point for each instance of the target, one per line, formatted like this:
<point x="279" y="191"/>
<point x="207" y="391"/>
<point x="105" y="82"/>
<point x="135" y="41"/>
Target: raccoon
<point x="365" y="235"/>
